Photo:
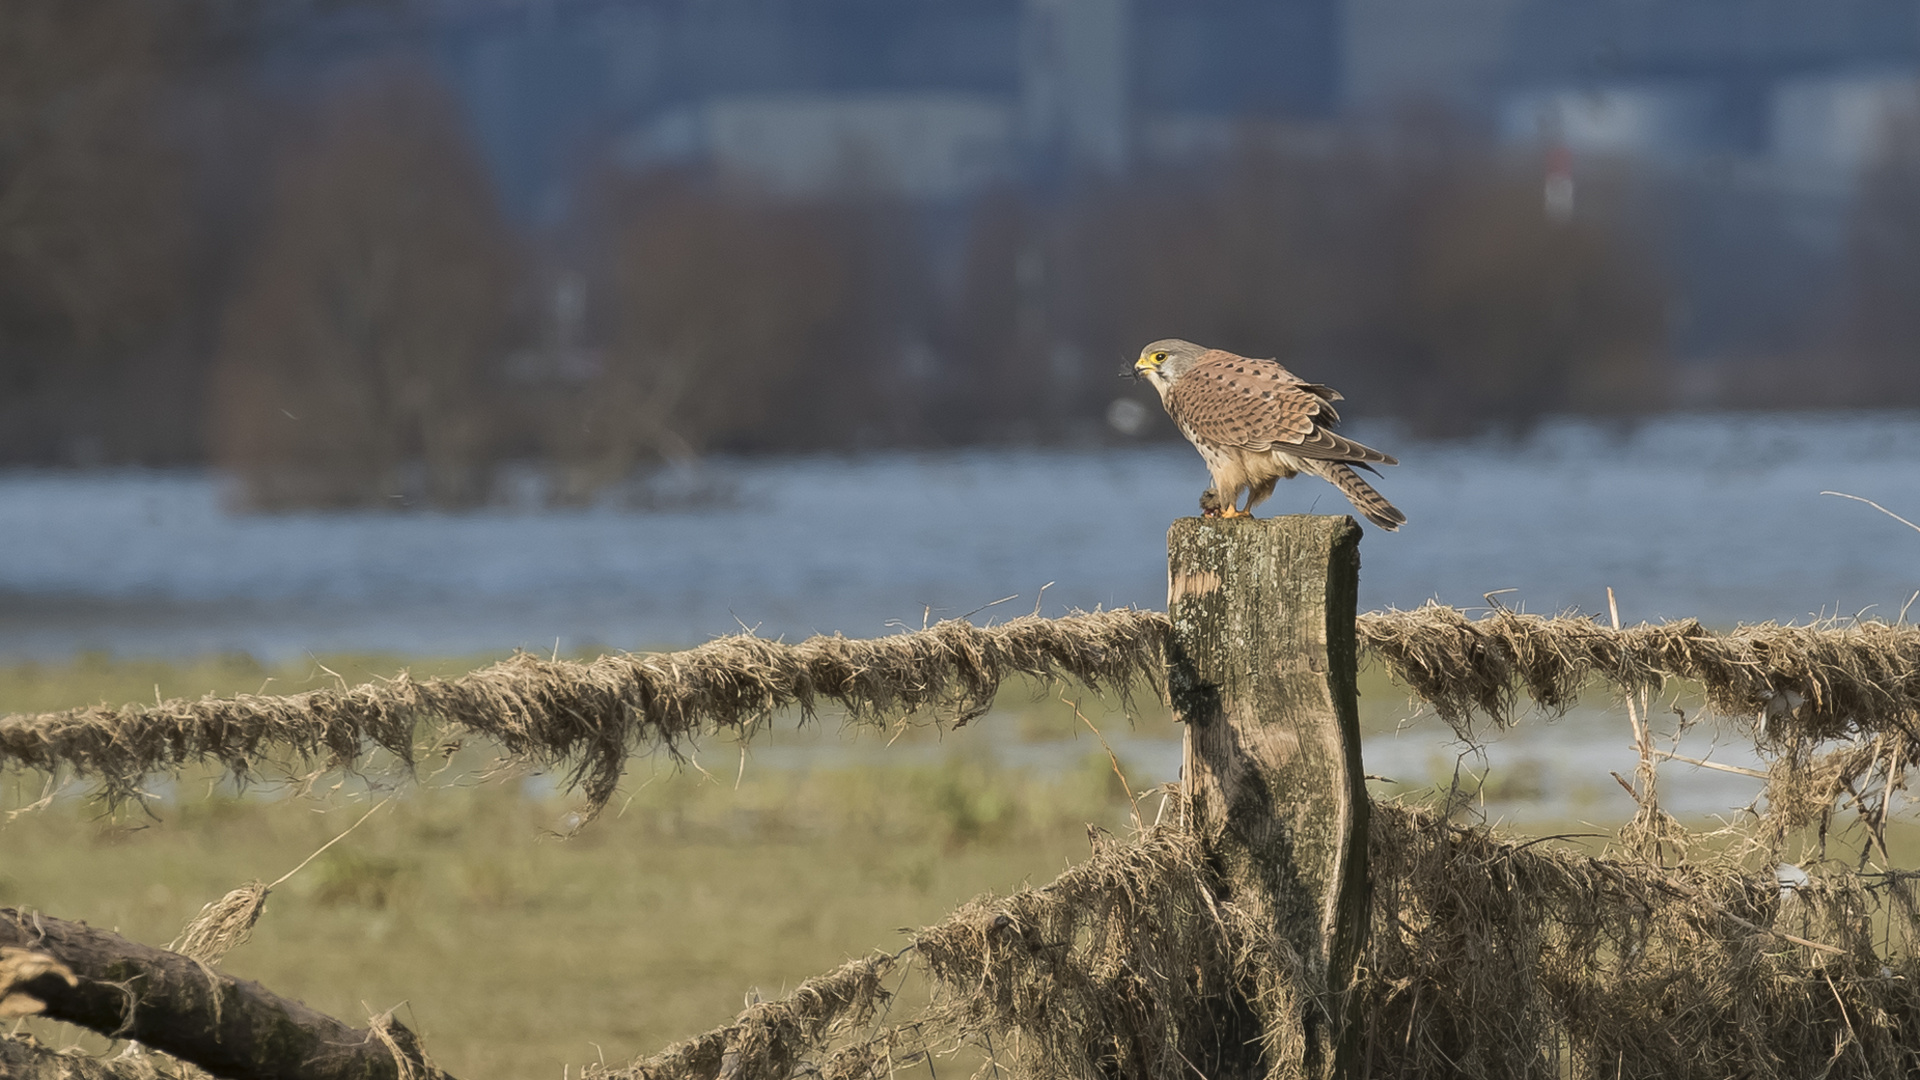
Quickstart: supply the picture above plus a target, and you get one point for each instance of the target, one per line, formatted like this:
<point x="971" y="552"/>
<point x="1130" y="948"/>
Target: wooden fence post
<point x="1262" y="664"/>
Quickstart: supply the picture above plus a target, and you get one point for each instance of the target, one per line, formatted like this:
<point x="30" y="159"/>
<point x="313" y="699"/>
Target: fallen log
<point x="232" y="1028"/>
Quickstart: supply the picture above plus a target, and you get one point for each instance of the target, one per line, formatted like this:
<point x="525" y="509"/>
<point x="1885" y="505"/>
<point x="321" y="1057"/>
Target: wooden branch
<point x="230" y="1027"/>
<point x="1262" y="663"/>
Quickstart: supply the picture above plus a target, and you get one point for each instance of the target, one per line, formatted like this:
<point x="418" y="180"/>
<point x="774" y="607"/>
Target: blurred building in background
<point x="936" y="100"/>
<point x="933" y="101"/>
<point x="923" y="222"/>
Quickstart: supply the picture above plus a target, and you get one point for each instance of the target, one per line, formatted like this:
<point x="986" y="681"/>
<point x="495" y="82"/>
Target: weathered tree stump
<point x="1262" y="664"/>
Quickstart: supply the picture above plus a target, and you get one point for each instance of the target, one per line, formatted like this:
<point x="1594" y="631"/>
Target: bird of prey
<point x="1256" y="423"/>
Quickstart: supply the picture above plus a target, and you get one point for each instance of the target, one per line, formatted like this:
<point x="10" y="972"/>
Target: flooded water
<point x="1719" y="518"/>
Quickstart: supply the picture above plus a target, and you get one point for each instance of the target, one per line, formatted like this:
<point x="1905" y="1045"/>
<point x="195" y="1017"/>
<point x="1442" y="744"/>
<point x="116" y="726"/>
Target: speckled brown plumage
<point x="1258" y="405"/>
<point x="1255" y="423"/>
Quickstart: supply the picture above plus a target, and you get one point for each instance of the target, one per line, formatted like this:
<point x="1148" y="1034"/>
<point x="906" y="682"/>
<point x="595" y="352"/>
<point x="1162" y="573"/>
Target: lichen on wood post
<point x="1261" y="669"/>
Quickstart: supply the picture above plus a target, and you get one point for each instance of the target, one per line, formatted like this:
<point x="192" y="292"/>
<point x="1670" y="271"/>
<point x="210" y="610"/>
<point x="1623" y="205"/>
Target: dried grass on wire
<point x="1506" y="955"/>
<point x="1815" y="682"/>
<point x="1662" y="959"/>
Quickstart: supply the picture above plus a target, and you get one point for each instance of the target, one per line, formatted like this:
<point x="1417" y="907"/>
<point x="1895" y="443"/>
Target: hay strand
<point x="222" y="925"/>
<point x="1823" y="681"/>
<point x="588" y="717"/>
<point x="228" y="922"/>
<point x="1125" y="965"/>
<point x="1809" y="683"/>
<point x="1488" y="957"/>
<point x="770" y="1037"/>
<point x="1521" y="957"/>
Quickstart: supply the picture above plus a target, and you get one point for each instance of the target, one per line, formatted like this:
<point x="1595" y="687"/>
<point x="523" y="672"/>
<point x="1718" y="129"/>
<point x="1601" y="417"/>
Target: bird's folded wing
<point x="1259" y="405"/>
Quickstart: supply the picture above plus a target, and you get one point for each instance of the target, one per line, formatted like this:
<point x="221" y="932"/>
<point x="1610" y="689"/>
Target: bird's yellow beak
<point x="1145" y="364"/>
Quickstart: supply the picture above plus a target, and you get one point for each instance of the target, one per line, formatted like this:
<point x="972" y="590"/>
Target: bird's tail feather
<point x="1361" y="494"/>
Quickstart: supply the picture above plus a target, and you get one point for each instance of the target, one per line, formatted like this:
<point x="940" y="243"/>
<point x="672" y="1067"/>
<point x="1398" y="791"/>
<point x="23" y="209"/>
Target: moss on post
<point x="1261" y="668"/>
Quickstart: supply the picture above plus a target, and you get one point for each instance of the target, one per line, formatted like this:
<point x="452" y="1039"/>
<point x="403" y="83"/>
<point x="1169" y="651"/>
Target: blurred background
<point x="567" y="279"/>
<point x="349" y="248"/>
<point x="342" y="336"/>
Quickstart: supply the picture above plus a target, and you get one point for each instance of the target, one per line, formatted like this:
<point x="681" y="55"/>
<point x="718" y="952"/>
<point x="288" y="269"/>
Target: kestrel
<point x="1256" y="423"/>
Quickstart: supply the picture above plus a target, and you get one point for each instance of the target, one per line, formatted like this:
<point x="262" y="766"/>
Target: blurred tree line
<point x="392" y="335"/>
<point x="97" y="246"/>
<point x="323" y="296"/>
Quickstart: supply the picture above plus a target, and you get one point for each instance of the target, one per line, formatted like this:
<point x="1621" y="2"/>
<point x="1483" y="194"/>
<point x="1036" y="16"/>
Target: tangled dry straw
<point x="1807" y="683"/>
<point x="1494" y="957"/>
<point x="1823" y="681"/>
<point x="1126" y="965"/>
<point x="1488" y="957"/>
<point x="771" y="1038"/>
<point x="589" y="717"/>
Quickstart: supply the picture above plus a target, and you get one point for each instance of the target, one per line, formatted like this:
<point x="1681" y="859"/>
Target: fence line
<point x="589" y="717"/>
<point x="1153" y="958"/>
<point x="1812" y="682"/>
<point x="1820" y="681"/>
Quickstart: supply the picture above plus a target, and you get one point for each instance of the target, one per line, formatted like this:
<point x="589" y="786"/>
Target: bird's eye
<point x="1159" y="358"/>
